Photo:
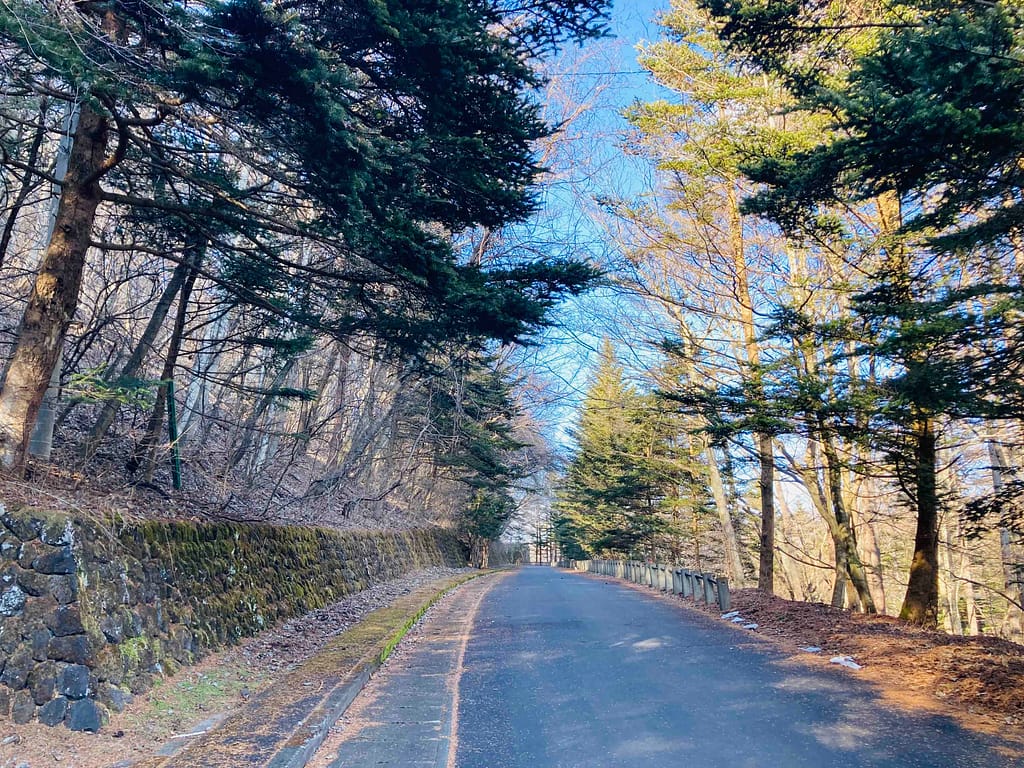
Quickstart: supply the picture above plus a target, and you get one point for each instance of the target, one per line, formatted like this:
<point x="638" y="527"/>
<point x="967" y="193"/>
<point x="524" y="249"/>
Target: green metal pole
<point x="172" y="430"/>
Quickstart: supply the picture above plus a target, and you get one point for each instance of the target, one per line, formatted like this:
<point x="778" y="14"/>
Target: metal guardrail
<point x="700" y="587"/>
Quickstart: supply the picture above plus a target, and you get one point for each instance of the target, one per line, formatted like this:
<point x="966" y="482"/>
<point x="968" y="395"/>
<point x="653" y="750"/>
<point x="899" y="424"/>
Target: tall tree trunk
<point x="967" y="571"/>
<point x="872" y="562"/>
<point x="54" y="298"/>
<point x="733" y="565"/>
<point x="847" y="537"/>
<point x="948" y="584"/>
<point x="921" y="603"/>
<point x="265" y="402"/>
<point x="135" y="361"/>
<point x="766" y="555"/>
<point x="145" y="453"/>
<point x="1013" y="567"/>
<point x="763" y="442"/>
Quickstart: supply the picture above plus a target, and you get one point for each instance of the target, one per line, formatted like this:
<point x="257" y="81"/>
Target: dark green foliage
<point x="933" y="112"/>
<point x="474" y="415"/>
<point x="488" y="514"/>
<point x="324" y="151"/>
<point x="624" y="477"/>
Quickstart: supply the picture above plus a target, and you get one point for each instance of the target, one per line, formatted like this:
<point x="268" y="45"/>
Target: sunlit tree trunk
<point x="54" y="297"/>
<point x="948" y="584"/>
<point x="733" y="565"/>
<point x="762" y="442"/>
<point x="1013" y="567"/>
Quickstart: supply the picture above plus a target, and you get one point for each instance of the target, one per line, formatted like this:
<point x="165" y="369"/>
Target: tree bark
<point x="763" y="442"/>
<point x="264" y="404"/>
<point x="733" y="565"/>
<point x="847" y="539"/>
<point x="948" y="584"/>
<point x="1013" y="569"/>
<point x="145" y="453"/>
<point x="54" y="298"/>
<point x="921" y="603"/>
<point x="766" y="555"/>
<point x="873" y="563"/>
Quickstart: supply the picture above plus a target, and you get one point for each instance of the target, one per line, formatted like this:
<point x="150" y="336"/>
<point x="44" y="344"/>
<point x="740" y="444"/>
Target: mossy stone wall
<point x="91" y="611"/>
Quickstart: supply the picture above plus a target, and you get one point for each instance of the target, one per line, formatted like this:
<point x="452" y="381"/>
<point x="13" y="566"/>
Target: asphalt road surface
<point x="542" y="668"/>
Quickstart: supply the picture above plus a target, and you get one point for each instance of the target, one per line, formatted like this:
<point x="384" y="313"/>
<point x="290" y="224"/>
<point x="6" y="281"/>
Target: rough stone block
<point x="31" y="550"/>
<point x="57" y="533"/>
<point x="64" y="588"/>
<point x="41" y="681"/>
<point x="140" y="683"/>
<point x="6" y="694"/>
<point x="110" y="665"/>
<point x="58" y="562"/>
<point x="65" y="621"/>
<point x="73" y="681"/>
<point x="12" y="601"/>
<point x="53" y="712"/>
<point x="112" y="627"/>
<point x="113" y="697"/>
<point x="40" y="641"/>
<point x="37" y="611"/>
<point x="9" y="546"/>
<point x="21" y="527"/>
<point x="10" y="637"/>
<point x="35" y="584"/>
<point x="17" y="669"/>
<point x="23" y="709"/>
<point x="76" y="649"/>
<point x="86" y="715"/>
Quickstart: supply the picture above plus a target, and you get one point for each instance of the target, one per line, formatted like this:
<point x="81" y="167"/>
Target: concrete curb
<point x="284" y="725"/>
<point x="324" y="717"/>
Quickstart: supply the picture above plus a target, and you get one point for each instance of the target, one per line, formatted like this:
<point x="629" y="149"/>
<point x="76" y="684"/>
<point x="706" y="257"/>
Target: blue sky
<point x="588" y="164"/>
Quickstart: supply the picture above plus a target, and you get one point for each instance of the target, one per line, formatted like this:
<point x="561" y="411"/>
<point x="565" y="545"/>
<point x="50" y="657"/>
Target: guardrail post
<point x="709" y="588"/>
<point x="724" y="603"/>
<point x="698" y="586"/>
<point x="666" y="579"/>
<point x="676" y="585"/>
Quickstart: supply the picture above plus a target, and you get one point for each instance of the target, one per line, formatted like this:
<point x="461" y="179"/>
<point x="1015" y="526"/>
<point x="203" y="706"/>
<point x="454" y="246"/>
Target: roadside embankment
<point x="93" y="612"/>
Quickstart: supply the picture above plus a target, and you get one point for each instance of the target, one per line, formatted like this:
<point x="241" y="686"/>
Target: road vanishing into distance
<point x="544" y="668"/>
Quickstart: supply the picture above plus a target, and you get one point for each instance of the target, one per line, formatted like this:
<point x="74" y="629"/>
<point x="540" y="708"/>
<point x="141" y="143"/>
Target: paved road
<point x="560" y="670"/>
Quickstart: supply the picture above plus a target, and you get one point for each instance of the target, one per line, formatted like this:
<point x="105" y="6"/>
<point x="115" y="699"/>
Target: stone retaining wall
<point x="91" y="612"/>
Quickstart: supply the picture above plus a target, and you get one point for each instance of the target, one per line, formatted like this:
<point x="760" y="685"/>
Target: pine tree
<point x="925" y="104"/>
<point x="612" y="494"/>
<point x="363" y="134"/>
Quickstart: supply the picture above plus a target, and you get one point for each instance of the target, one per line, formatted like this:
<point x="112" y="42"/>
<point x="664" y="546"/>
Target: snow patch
<point x="845" y="661"/>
